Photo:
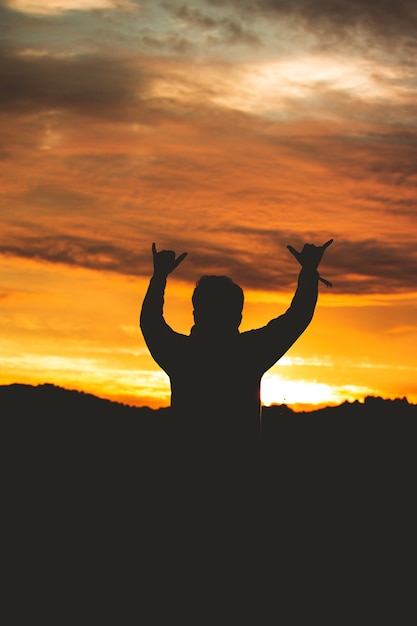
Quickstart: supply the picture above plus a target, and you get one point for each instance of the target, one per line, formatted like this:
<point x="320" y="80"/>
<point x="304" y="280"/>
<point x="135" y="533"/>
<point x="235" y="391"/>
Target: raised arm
<point x="305" y="298"/>
<point x="279" y="335"/>
<point x="153" y="325"/>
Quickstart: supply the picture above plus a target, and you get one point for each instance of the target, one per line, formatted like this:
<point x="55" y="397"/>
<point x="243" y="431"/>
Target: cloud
<point x="123" y="143"/>
<point x="355" y="267"/>
<point x="87" y="84"/>
<point x="154" y="91"/>
<point x="120" y="82"/>
<point x="173" y="42"/>
<point x="55" y="7"/>
<point x="76" y="251"/>
<point x="105" y="255"/>
<point x="370" y="266"/>
<point x="218" y="29"/>
<point x="395" y="22"/>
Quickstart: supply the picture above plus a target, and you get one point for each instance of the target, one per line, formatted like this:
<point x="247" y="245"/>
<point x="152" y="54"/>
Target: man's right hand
<point x="164" y="262"/>
<point x="311" y="255"/>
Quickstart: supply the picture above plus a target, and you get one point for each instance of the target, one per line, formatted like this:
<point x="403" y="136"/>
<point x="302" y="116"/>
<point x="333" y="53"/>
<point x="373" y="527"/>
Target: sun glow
<point x="277" y="390"/>
<point x="272" y="88"/>
<point x="99" y="376"/>
<point x="302" y="74"/>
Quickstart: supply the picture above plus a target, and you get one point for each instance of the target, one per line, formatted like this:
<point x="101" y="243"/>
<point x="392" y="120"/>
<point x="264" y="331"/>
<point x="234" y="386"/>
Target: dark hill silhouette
<point x="62" y="435"/>
<point x="61" y="441"/>
<point x="91" y="493"/>
<point x="58" y="422"/>
<point x="362" y="452"/>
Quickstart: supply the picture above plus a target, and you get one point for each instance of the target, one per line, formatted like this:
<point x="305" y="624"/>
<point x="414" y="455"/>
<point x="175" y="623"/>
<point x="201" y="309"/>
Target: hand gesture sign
<point x="310" y="257"/>
<point x="164" y="262"/>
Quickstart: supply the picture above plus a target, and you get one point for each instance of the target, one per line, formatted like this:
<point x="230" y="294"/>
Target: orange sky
<point x="227" y="130"/>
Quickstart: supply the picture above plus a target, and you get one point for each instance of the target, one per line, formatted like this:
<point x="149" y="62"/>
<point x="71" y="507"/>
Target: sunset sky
<point x="227" y="129"/>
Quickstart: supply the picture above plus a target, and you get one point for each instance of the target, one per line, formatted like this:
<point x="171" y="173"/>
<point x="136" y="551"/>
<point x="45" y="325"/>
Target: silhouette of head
<point x="218" y="304"/>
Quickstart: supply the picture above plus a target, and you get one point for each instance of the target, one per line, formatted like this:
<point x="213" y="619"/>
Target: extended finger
<point x="180" y="258"/>
<point x="154" y="250"/>
<point x="327" y="244"/>
<point x="294" y="252"/>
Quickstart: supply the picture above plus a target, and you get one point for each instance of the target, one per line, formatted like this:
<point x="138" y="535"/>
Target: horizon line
<point x="295" y="407"/>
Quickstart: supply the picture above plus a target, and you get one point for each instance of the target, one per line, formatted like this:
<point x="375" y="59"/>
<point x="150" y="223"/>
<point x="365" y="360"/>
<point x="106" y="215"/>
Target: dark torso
<point x="215" y="392"/>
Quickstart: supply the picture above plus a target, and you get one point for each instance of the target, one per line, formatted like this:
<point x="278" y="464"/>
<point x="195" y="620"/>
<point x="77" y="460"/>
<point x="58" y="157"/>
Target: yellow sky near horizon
<point x="97" y="347"/>
<point x="225" y="130"/>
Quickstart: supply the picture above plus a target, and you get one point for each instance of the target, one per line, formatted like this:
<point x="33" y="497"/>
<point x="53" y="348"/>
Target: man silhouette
<point x="215" y="372"/>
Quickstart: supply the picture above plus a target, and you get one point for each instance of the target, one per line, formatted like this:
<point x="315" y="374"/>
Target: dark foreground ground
<point x="99" y="497"/>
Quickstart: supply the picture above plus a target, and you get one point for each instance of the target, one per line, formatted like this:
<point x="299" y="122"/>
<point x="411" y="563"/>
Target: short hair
<point x="214" y="295"/>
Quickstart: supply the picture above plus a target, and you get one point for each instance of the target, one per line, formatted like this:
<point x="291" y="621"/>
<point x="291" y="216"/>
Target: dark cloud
<point x="370" y="266"/>
<point x="154" y="42"/>
<point x="191" y="15"/>
<point x="228" y="30"/>
<point x="76" y="251"/>
<point x="104" y="255"/>
<point x="355" y="267"/>
<point x="90" y="84"/>
<point x="394" y="21"/>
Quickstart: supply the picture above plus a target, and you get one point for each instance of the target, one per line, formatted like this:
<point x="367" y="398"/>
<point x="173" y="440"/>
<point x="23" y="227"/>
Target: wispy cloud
<point x="356" y="267"/>
<point x="218" y="28"/>
<point x="345" y="18"/>
<point x="56" y="7"/>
